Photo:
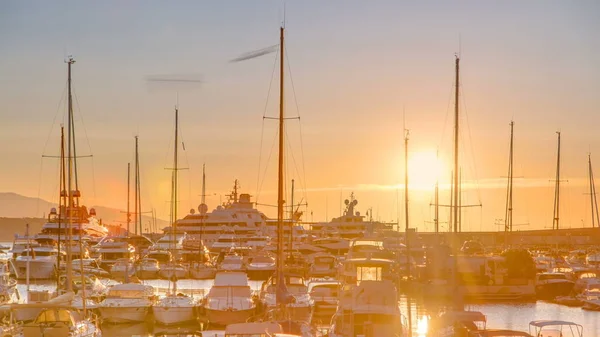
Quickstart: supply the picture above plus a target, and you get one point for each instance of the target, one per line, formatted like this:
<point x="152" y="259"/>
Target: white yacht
<point x="202" y="270"/>
<point x="225" y="242"/>
<point x="129" y="302"/>
<point x="230" y="299"/>
<point x="148" y="268"/>
<point x="112" y="248"/>
<point x="350" y="225"/>
<point x="237" y="214"/>
<point x="122" y="269"/>
<point x="299" y="308"/>
<point x="232" y="262"/>
<point x="172" y="242"/>
<point x="175" y="309"/>
<point x="260" y="266"/>
<point x="85" y="225"/>
<point x="322" y="265"/>
<point x="369" y="309"/>
<point x="173" y="270"/>
<point x="38" y="263"/>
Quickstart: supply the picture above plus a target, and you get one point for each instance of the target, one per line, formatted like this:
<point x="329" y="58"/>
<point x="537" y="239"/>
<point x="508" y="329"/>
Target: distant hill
<point x="16" y="210"/>
<point x="13" y="205"/>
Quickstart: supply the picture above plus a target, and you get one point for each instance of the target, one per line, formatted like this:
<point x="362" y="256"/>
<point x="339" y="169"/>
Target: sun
<point x="424" y="169"/>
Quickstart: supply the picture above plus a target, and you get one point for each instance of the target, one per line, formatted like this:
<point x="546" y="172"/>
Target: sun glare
<point x="424" y="169"/>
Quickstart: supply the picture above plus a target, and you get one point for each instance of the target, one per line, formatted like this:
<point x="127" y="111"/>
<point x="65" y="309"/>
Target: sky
<point x="357" y="74"/>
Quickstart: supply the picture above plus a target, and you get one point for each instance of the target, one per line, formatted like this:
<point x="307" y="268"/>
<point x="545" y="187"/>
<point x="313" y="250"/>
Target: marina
<point x="410" y="249"/>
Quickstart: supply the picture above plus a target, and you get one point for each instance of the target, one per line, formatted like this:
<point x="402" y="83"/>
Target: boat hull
<point x="259" y="274"/>
<point x="549" y="291"/>
<point x="168" y="274"/>
<point x="225" y="317"/>
<point x="38" y="270"/>
<point x="147" y="274"/>
<point x="167" y="315"/>
<point x="203" y="273"/>
<point x="123" y="314"/>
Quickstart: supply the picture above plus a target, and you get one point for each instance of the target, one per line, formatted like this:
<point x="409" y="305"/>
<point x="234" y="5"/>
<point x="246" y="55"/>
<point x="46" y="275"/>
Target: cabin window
<point x="369" y="273"/>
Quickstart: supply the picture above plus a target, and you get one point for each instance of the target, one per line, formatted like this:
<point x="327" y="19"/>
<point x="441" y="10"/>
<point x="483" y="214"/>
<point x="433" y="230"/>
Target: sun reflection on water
<point x="422" y="326"/>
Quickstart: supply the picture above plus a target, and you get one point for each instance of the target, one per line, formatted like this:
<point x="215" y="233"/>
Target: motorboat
<point x="172" y="242"/>
<point x="173" y="270"/>
<point x="128" y="302"/>
<point x="39" y="262"/>
<point x="230" y="299"/>
<point x="112" y="248"/>
<point x="175" y="309"/>
<point x="60" y="322"/>
<point x="162" y="256"/>
<point x="148" y="268"/>
<point x="202" y="271"/>
<point x="368" y="309"/>
<point x="323" y="298"/>
<point x="550" y="285"/>
<point x="90" y="267"/>
<point x="298" y="307"/>
<point x="122" y="269"/>
<point x="555" y="328"/>
<point x="232" y="262"/>
<point x="459" y="323"/>
<point x="260" y="266"/>
<point x="322" y="265"/>
<point x="225" y="243"/>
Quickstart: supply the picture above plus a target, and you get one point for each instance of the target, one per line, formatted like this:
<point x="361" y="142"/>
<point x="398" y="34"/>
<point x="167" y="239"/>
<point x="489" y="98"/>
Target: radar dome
<point x="202" y="208"/>
<point x="53" y="211"/>
<point x="92" y="211"/>
<point x="357" y="213"/>
<point x="192" y="211"/>
<point x="346" y="201"/>
<point x="354" y="202"/>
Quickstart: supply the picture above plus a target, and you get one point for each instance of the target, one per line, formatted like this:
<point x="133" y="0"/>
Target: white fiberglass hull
<point x="38" y="269"/>
<point x="173" y="273"/>
<point x="147" y="274"/>
<point x="116" y="314"/>
<point x="225" y="317"/>
<point x="169" y="315"/>
<point x="203" y="273"/>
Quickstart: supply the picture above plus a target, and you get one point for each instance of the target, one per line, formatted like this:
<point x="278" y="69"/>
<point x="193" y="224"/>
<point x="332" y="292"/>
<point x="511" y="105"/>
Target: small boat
<point x="175" y="309"/>
<point x="555" y="328"/>
<point x="41" y="261"/>
<point x="230" y="299"/>
<point x="323" y="298"/>
<point x="323" y="264"/>
<point x="232" y="262"/>
<point x="122" y="269"/>
<point x="129" y="302"/>
<point x="60" y="322"/>
<point x="90" y="267"/>
<point x="299" y="308"/>
<point x="173" y="270"/>
<point x="202" y="271"/>
<point x="260" y="266"/>
<point x="148" y="268"/>
<point x="550" y="285"/>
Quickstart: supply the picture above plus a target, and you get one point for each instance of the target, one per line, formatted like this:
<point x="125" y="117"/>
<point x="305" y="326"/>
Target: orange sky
<point x="355" y="68"/>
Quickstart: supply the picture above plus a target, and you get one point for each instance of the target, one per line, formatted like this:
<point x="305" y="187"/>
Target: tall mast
<point x="138" y="190"/>
<point x="135" y="190"/>
<point x="61" y="200"/>
<point x="203" y="199"/>
<point x="593" y="199"/>
<point x="175" y="168"/>
<point x="556" y="220"/>
<point x="128" y="193"/>
<point x="456" y="122"/>
<point x="280" y="178"/>
<point x="70" y="156"/>
<point x="406" y="239"/>
<point x="508" y="218"/>
<point x="292" y="219"/>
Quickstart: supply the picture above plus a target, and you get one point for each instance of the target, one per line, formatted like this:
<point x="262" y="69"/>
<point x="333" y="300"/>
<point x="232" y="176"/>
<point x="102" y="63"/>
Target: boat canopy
<point x="252" y="329"/>
<point x="55" y="315"/>
<point x="544" y="323"/>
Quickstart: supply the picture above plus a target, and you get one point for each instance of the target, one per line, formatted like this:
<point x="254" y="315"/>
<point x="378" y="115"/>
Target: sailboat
<point x="175" y="308"/>
<point x="56" y="317"/>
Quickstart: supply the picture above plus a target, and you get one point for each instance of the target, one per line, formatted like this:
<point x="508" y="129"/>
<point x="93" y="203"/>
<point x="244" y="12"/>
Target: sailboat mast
<point x="292" y="219"/>
<point x="138" y="184"/>
<point x="175" y="168"/>
<point x="61" y="201"/>
<point x="135" y="191"/>
<point x="280" y="194"/>
<point x="593" y="198"/>
<point x="456" y="122"/>
<point x="70" y="206"/>
<point x="128" y="193"/>
<point x="406" y="229"/>
<point x="508" y="223"/>
<point x="203" y="201"/>
<point x="557" y="188"/>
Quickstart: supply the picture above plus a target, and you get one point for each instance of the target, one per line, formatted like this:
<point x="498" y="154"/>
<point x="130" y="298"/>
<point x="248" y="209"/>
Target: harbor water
<point x="514" y="316"/>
